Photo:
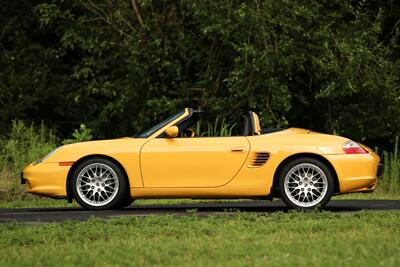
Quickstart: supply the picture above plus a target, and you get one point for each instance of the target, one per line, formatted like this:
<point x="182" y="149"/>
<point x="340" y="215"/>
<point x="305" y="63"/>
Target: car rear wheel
<point x="306" y="183"/>
<point x="99" y="183"/>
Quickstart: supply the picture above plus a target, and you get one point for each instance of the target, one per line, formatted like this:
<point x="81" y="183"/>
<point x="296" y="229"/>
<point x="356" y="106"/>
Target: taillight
<point x="351" y="147"/>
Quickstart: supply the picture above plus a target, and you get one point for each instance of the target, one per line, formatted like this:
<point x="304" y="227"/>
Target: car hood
<point x="73" y="152"/>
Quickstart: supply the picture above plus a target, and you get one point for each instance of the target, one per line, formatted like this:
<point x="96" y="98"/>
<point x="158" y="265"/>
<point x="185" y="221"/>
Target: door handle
<point x="238" y="149"/>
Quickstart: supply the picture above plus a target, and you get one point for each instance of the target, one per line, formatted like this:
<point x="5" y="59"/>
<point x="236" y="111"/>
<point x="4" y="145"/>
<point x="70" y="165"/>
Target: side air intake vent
<point x="259" y="159"/>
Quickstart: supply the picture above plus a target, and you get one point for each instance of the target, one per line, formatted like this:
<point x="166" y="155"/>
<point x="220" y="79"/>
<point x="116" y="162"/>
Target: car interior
<point x="191" y="126"/>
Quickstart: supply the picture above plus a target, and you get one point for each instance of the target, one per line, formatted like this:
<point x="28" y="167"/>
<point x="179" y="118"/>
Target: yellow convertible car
<point x="302" y="167"/>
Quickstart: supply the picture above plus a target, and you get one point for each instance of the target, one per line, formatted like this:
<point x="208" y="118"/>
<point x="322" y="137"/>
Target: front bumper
<point x="46" y="179"/>
<point x="23" y="180"/>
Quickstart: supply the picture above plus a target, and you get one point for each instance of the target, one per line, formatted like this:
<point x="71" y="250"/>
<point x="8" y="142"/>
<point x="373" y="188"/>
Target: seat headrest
<point x="255" y="121"/>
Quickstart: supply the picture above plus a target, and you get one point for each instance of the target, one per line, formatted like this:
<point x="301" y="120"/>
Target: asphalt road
<point x="33" y="215"/>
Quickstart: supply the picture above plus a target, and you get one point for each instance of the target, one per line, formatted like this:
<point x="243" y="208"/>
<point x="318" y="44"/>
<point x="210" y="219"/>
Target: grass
<point x="217" y="128"/>
<point x="281" y="239"/>
<point x="369" y="196"/>
<point x="25" y="144"/>
<point x="391" y="182"/>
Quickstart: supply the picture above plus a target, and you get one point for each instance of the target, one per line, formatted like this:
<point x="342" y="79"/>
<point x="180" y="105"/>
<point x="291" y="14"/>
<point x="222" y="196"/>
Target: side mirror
<point x="172" y="131"/>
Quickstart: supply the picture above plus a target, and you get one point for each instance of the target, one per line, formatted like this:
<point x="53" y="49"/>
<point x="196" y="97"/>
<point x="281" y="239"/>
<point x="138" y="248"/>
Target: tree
<point x="119" y="66"/>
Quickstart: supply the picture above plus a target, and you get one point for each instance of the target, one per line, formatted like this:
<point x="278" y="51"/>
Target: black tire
<point x="116" y="199"/>
<point x="289" y="197"/>
<point x="127" y="201"/>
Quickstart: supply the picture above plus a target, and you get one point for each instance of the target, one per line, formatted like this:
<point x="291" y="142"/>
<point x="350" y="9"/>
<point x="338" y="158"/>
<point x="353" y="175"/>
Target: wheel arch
<point x="275" y="191"/>
<point x="70" y="195"/>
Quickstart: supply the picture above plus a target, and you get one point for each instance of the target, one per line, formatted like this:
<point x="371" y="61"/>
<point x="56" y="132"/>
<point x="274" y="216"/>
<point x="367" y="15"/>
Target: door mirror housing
<point x="172" y="132"/>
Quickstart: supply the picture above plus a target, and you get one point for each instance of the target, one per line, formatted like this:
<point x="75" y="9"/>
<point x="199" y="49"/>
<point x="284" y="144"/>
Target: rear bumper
<point x="380" y="170"/>
<point x="356" y="172"/>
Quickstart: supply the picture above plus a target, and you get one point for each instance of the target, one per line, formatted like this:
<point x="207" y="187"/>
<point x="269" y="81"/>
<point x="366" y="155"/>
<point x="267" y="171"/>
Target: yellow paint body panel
<point x="192" y="162"/>
<point x="47" y="179"/>
<point x="357" y="172"/>
<point x="205" y="167"/>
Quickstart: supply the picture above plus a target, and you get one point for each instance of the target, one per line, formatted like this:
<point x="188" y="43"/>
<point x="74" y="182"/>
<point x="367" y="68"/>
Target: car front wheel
<point x="306" y="183"/>
<point x="99" y="183"/>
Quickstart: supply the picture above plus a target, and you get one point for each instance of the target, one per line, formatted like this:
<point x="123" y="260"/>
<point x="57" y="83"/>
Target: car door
<point x="192" y="162"/>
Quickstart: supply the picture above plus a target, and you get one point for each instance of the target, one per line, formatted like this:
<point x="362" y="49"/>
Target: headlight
<point x="47" y="156"/>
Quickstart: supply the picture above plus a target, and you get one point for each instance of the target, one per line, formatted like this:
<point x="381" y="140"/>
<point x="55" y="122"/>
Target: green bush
<point x="217" y="128"/>
<point x="79" y="135"/>
<point x="390" y="182"/>
<point x="25" y="144"/>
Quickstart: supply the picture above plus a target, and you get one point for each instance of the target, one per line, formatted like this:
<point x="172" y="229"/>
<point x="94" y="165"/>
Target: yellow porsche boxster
<point x="170" y="160"/>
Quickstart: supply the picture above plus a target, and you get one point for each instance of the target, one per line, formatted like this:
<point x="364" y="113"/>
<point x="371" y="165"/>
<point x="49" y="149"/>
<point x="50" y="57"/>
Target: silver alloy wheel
<point x="97" y="184"/>
<point x="305" y="185"/>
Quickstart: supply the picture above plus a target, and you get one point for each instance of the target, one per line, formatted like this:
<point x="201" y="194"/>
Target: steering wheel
<point x="189" y="132"/>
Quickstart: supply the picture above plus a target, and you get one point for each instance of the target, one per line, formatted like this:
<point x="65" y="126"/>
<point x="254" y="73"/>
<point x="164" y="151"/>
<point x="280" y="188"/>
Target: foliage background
<point x="119" y="66"/>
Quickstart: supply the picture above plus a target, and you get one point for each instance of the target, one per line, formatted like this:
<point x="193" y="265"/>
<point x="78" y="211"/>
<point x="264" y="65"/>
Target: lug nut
<point x="300" y="183"/>
<point x="302" y="189"/>
<point x="92" y="187"/>
<point x="309" y="189"/>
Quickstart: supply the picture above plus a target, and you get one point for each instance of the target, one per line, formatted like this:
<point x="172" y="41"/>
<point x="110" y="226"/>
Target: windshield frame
<point x="159" y="126"/>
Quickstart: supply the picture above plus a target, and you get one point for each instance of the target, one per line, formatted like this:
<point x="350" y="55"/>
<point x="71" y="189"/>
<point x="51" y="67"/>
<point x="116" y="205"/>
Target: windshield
<point x="159" y="126"/>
